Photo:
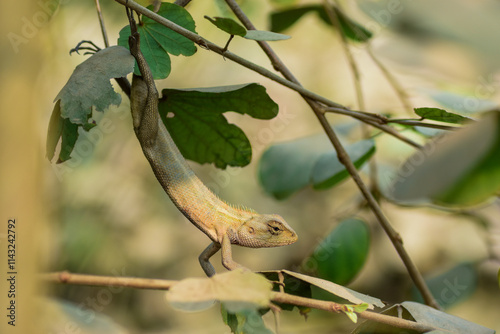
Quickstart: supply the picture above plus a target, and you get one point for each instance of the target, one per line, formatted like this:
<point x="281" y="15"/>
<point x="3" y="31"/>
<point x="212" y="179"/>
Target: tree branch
<point x="65" y="277"/>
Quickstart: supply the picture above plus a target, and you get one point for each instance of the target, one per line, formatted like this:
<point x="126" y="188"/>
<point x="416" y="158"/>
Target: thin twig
<point x="416" y="122"/>
<point x="395" y="238"/>
<point x="400" y="92"/>
<point x="101" y="21"/>
<point x="65" y="277"/>
<point x="332" y="15"/>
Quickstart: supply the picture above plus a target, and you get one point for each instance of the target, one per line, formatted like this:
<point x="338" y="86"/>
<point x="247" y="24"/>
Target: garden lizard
<point x="223" y="223"/>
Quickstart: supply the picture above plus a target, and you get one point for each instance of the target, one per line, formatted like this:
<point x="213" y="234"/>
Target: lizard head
<point x="265" y="231"/>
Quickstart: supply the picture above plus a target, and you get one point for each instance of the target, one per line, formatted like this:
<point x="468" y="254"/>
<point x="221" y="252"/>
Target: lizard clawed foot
<point x="91" y="49"/>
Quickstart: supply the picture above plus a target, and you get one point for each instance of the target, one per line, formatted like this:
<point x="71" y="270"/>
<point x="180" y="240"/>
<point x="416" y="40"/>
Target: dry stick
<point x="312" y="97"/>
<point x="344" y="159"/>
<point x="101" y="22"/>
<point x="281" y="297"/>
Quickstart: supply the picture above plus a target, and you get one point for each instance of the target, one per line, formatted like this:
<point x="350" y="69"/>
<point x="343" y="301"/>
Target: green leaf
<point x="194" y="120"/>
<point x="342" y="254"/>
<point x="328" y="171"/>
<point x="228" y="25"/>
<point x="259" y="35"/>
<point x="287" y="167"/>
<point x="350" y="313"/>
<point x="238" y="290"/>
<point x="451" y="287"/>
<point x="245" y="322"/>
<point x="425" y="315"/>
<point x="87" y="89"/>
<point x="157" y="41"/>
<point x="69" y="137"/>
<point x="460" y="169"/>
<point x="440" y="115"/>
<point x="89" y="86"/>
<point x="462" y="104"/>
<point x="284" y="19"/>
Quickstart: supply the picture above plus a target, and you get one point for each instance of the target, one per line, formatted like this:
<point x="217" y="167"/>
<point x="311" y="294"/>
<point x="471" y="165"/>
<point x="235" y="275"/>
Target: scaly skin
<point x="221" y="222"/>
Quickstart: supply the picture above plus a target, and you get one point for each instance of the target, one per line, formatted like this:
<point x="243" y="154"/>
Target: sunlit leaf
<point x="238" y="291"/>
<point x="260" y="35"/>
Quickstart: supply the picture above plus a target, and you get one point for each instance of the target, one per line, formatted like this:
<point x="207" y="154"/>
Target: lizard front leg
<point x="227" y="256"/>
<point x="205" y="257"/>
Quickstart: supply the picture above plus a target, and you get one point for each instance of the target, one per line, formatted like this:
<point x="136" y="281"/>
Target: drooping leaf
<point x="284" y="19"/>
<point x="87" y="89"/>
<point x="195" y="121"/>
<point x="238" y="290"/>
<point x="451" y="287"/>
<point x="287" y="167"/>
<point x="342" y="254"/>
<point x="228" y="25"/>
<point x="338" y="290"/>
<point x="459" y="169"/>
<point x="89" y="86"/>
<point x="440" y="115"/>
<point x="157" y="41"/>
<point x="425" y="315"/>
<point x="245" y="322"/>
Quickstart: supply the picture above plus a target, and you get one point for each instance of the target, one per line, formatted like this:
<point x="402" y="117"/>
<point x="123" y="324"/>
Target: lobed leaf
<point x="157" y="41"/>
<point x="194" y="120"/>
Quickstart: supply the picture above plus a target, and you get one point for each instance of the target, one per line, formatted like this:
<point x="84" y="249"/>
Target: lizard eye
<point x="274" y="227"/>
